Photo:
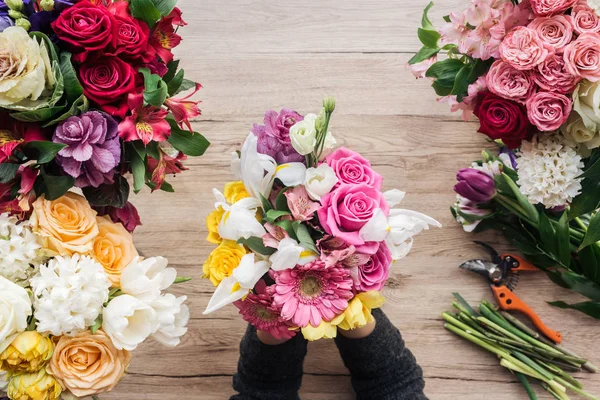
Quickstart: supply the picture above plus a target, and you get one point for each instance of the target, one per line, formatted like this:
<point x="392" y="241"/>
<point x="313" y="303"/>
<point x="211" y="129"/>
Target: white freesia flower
<point x="398" y="229"/>
<point x="173" y="317"/>
<point x="289" y="254"/>
<point x="586" y="102"/>
<point x="239" y="219"/>
<point x="129" y="321"/>
<point x="304" y="135"/>
<point x="256" y="170"/>
<point x="68" y="294"/>
<point x="20" y="253"/>
<point x="146" y="278"/>
<point x="319" y="181"/>
<point x="576" y="130"/>
<point x="243" y="278"/>
<point x="25" y="71"/>
<point x="549" y="170"/>
<point x="15" y="308"/>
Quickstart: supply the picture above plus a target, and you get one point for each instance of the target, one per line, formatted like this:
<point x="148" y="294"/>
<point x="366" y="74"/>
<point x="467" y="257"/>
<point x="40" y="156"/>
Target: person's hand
<point x="359" y="333"/>
<point x="268" y="339"/>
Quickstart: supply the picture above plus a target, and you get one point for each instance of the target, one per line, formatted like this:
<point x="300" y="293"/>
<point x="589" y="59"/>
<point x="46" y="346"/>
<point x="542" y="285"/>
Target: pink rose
<point x="523" y="48"/>
<point x="551" y="7"/>
<point x="583" y="57"/>
<point x="548" y="110"/>
<point x="552" y="76"/>
<point x="510" y="83"/>
<point x="348" y="208"/>
<point x="585" y="19"/>
<point x="557" y="31"/>
<point x="374" y="274"/>
<point x="350" y="167"/>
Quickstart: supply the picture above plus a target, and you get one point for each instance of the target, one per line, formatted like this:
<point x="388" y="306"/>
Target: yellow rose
<point x="34" y="386"/>
<point x="326" y="330"/>
<point x="358" y="313"/>
<point x="29" y="352"/>
<point x="235" y="191"/>
<point x="88" y="363"/>
<point x="212" y="224"/>
<point x="222" y="261"/>
<point x="113" y="248"/>
<point x="65" y="226"/>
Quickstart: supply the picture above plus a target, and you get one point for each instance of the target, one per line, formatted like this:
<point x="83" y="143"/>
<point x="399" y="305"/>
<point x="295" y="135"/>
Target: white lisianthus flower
<point x="129" y="321"/>
<point x="586" y="102"/>
<point x="173" y="317"/>
<point x="25" y="71"/>
<point x="549" y="170"/>
<point x="145" y="279"/>
<point x="319" y="181"/>
<point x="576" y="130"/>
<point x="68" y="294"/>
<point x="20" y="253"/>
<point x="15" y="308"/>
<point x="304" y="135"/>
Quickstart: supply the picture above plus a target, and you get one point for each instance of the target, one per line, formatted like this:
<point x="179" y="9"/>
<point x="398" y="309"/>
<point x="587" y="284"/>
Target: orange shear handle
<point x="510" y="301"/>
<point x="523" y="264"/>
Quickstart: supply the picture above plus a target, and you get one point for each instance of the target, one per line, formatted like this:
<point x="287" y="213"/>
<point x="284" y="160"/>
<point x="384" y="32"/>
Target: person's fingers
<point x="268" y="339"/>
<point x="359" y="333"/>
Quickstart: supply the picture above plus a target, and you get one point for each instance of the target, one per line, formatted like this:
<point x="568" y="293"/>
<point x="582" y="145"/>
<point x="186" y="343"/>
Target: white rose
<point x="319" y="181"/>
<point x="576" y="130"/>
<point x="586" y="101"/>
<point x="129" y="321"/>
<point x="173" y="317"/>
<point x="328" y="146"/>
<point x="595" y="5"/>
<point x="25" y="70"/>
<point x="145" y="279"/>
<point x="304" y="135"/>
<point x="15" y="308"/>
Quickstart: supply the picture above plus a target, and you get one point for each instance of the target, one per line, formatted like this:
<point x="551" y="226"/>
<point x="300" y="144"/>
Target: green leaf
<point x="175" y="83"/>
<point x="424" y="54"/>
<point x="190" y="143"/>
<point x="155" y="89"/>
<point x="589" y="260"/>
<point x="281" y="202"/>
<point x="153" y="150"/>
<point x="576" y="282"/>
<point x="73" y="88"/>
<point x="186" y="84"/>
<point x="256" y="244"/>
<point x="591" y="308"/>
<point x="42" y="151"/>
<point x="589" y="199"/>
<point x="80" y="106"/>
<point x="447" y="18"/>
<point x="8" y="171"/>
<point x="145" y="10"/>
<point x="167" y="187"/>
<point x="272" y="215"/>
<point x="288" y="227"/>
<point x="97" y="325"/>
<point x="425" y="22"/>
<point x="165" y="6"/>
<point x="593" y="233"/>
<point x="531" y="213"/>
<point x="266" y="204"/>
<point x="172" y="69"/>
<point x="445" y="71"/>
<point x="563" y="239"/>
<point x="466" y="76"/>
<point x="305" y="239"/>
<point x="441" y="90"/>
<point x="55" y="186"/>
<point x="113" y="194"/>
<point x="138" y="166"/>
<point x="429" y="38"/>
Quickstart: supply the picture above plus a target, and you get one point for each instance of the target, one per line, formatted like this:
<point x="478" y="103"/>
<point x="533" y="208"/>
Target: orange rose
<point x="113" y="248"/>
<point x="66" y="225"/>
<point x="88" y="364"/>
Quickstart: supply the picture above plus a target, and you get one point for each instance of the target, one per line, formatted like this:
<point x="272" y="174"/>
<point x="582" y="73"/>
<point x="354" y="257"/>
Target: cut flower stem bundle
<point x="530" y="357"/>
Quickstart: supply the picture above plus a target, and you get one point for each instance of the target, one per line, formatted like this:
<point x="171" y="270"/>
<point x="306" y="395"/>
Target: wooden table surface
<point x="252" y="56"/>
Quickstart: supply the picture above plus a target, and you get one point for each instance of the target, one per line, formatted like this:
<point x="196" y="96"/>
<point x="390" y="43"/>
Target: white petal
<point x="224" y="295"/>
<point x="399" y="250"/>
<point x="376" y="229"/>
<point x="307" y="256"/>
<point x="394" y="197"/>
<point x="257" y="170"/>
<point x="291" y="174"/>
<point x="287" y="255"/>
<point x="248" y="272"/>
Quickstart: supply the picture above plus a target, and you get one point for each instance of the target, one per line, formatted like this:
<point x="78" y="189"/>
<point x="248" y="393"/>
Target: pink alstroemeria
<point x="455" y="31"/>
<point x="301" y="206"/>
<point x="274" y="235"/>
<point x="166" y="165"/>
<point x="183" y="109"/>
<point x="146" y="123"/>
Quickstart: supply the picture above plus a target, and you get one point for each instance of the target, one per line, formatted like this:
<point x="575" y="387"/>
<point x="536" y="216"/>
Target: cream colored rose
<point x="576" y="130"/>
<point x="586" y="101"/>
<point x="113" y="248"/>
<point x="65" y="226"/>
<point x="25" y="70"/>
<point x="88" y="364"/>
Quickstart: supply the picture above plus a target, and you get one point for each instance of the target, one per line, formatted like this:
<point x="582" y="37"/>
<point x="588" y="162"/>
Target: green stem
<point x="94" y="397"/>
<point x="526" y="385"/>
<point x="581" y="224"/>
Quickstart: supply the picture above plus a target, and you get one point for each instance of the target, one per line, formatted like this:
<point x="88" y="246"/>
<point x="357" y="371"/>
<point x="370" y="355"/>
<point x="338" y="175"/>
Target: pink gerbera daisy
<point x="312" y="293"/>
<point x="258" y="309"/>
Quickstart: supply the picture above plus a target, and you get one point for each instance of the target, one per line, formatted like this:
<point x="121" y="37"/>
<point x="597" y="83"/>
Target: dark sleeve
<point x="269" y="372"/>
<point x="381" y="367"/>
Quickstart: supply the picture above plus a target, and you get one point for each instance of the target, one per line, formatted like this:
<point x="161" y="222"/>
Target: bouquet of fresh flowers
<point x="87" y="95"/>
<point x="75" y="300"/>
<point x="530" y="71"/>
<point x="305" y="237"/>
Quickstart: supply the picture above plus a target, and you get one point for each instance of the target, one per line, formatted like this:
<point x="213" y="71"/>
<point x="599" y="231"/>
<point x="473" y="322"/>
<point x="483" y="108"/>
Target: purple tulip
<point x="475" y="185"/>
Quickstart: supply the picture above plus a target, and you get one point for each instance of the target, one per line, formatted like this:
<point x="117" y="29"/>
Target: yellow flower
<point x="113" y="248"/>
<point x="222" y="261"/>
<point x="212" y="224"/>
<point x="29" y="352"/>
<point x="34" y="386"/>
<point x="358" y="313"/>
<point x="327" y="330"/>
<point x="66" y="225"/>
<point x="235" y="191"/>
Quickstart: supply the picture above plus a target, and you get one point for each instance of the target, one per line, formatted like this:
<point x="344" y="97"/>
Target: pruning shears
<point x="502" y="273"/>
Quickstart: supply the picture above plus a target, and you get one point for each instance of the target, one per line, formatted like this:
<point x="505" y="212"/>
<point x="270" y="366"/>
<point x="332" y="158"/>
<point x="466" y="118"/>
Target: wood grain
<point x="252" y="56"/>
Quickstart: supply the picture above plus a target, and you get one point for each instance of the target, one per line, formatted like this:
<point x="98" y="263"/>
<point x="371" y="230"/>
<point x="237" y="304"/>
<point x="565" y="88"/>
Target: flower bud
<point x="15" y="14"/>
<point x="35" y="385"/>
<point x="16" y="5"/>
<point x="475" y="185"/>
<point x="47" y="5"/>
<point x="329" y="104"/>
<point x="29" y="352"/>
<point x="320" y="121"/>
<point x="23" y="23"/>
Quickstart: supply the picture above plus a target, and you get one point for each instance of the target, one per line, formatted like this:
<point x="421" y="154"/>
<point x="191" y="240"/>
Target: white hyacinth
<point x="20" y="253"/>
<point x="549" y="168"/>
<point x="69" y="293"/>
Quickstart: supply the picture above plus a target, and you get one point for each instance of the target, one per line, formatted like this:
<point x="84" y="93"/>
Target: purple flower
<point x="507" y="155"/>
<point x="5" y="22"/>
<point x="274" y="135"/>
<point x="475" y="185"/>
<point x="93" y="148"/>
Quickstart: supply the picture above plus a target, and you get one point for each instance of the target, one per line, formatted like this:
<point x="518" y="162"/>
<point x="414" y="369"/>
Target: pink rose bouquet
<point x="304" y="230"/>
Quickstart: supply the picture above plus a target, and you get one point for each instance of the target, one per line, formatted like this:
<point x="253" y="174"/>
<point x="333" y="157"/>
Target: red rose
<point x="85" y="27"/>
<point x="107" y="81"/>
<point x="503" y="119"/>
<point x="131" y="38"/>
